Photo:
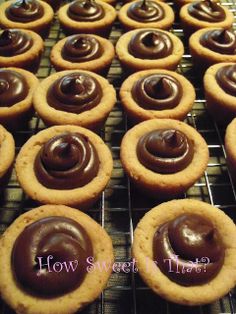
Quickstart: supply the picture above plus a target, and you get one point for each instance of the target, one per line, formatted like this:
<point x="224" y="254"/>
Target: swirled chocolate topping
<point x="13" y="88"/>
<point x="157" y="92"/>
<point x="41" y="252"/>
<point x="85" y="11"/>
<point x="150" y="44"/>
<point x="207" y="10"/>
<point x="24" y="11"/>
<point x="74" y="93"/>
<point x="219" y="40"/>
<point x="14" y="42"/>
<point x="165" y="151"/>
<point x="184" y="243"/>
<point x="81" y="48"/>
<point x="145" y="11"/>
<point x="226" y="78"/>
<point x="66" y="161"/>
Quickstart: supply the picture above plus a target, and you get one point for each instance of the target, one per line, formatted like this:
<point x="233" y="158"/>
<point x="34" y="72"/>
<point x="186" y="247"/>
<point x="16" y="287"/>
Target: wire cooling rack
<point x="120" y="207"/>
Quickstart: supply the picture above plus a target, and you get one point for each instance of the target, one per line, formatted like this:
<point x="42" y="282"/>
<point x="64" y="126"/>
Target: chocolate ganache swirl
<point x="25" y="11"/>
<point x="150" y="44"/>
<point x="13" y="88"/>
<point x="226" y="78"/>
<point x="157" y="92"/>
<point x="186" y="240"/>
<point x="14" y="42"/>
<point x="219" y="40"/>
<point x="207" y="10"/>
<point x="66" y="161"/>
<point x="74" y="93"/>
<point x="165" y="151"/>
<point x="85" y="11"/>
<point x="81" y="48"/>
<point x="145" y="11"/>
<point x="41" y="251"/>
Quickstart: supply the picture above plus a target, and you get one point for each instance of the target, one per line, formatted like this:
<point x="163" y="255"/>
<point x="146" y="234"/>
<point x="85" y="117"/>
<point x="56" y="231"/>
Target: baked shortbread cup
<point x="212" y="45"/>
<point x="142" y="13"/>
<point x="202" y="14"/>
<point x="220" y="92"/>
<point x="75" y="97"/>
<point x="76" y="237"/>
<point x="7" y="155"/>
<point x="20" y="49"/>
<point x="66" y="165"/>
<point x="230" y="135"/>
<point x="16" y="90"/>
<point x="216" y="232"/>
<point x="34" y="15"/>
<point x="83" y="52"/>
<point x="82" y="19"/>
<point x="157" y="94"/>
<point x="163" y="157"/>
<point x="149" y="48"/>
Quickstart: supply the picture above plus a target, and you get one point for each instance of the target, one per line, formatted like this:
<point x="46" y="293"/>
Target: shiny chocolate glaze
<point x="66" y="161"/>
<point x="145" y="11"/>
<point x="81" y="48"/>
<point x="165" y="151"/>
<point x="25" y="11"/>
<point x="150" y="44"/>
<point x="186" y="240"/>
<point x="85" y="11"/>
<point x="14" y="42"/>
<point x="65" y="240"/>
<point x="219" y="40"/>
<point x="206" y="10"/>
<point x="226" y="78"/>
<point x="75" y="93"/>
<point x="157" y="92"/>
<point x="13" y="88"/>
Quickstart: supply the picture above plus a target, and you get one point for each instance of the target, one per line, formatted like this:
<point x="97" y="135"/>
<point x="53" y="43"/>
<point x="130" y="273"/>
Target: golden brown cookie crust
<point x="192" y="24"/>
<point x="220" y="104"/>
<point x="37" y="26"/>
<point x="7" y="150"/>
<point x="129" y="23"/>
<point x="88" y="291"/>
<point x="136" y="64"/>
<point x="27" y="59"/>
<point x="159" y="282"/>
<point x="203" y="56"/>
<point x="97" y="65"/>
<point x="81" y="197"/>
<point x="97" y="27"/>
<point x="12" y="116"/>
<point x="92" y="119"/>
<point x="163" y="185"/>
<point x="138" y="114"/>
<point x="230" y="136"/>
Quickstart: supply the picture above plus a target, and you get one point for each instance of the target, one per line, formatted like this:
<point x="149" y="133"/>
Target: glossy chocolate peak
<point x="66" y="161"/>
<point x="219" y="40"/>
<point x="165" y="151"/>
<point x="85" y="11"/>
<point x="193" y="239"/>
<point x="81" y="48"/>
<point x="207" y="10"/>
<point x="24" y="11"/>
<point x="226" y="78"/>
<point x="157" y="92"/>
<point x="75" y="93"/>
<point x="14" y="42"/>
<point x="13" y="88"/>
<point x="63" y="239"/>
<point x="145" y="11"/>
<point x="150" y="44"/>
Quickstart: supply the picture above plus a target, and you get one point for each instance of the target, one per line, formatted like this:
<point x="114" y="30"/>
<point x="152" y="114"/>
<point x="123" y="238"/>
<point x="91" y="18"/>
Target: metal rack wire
<point x="120" y="207"/>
